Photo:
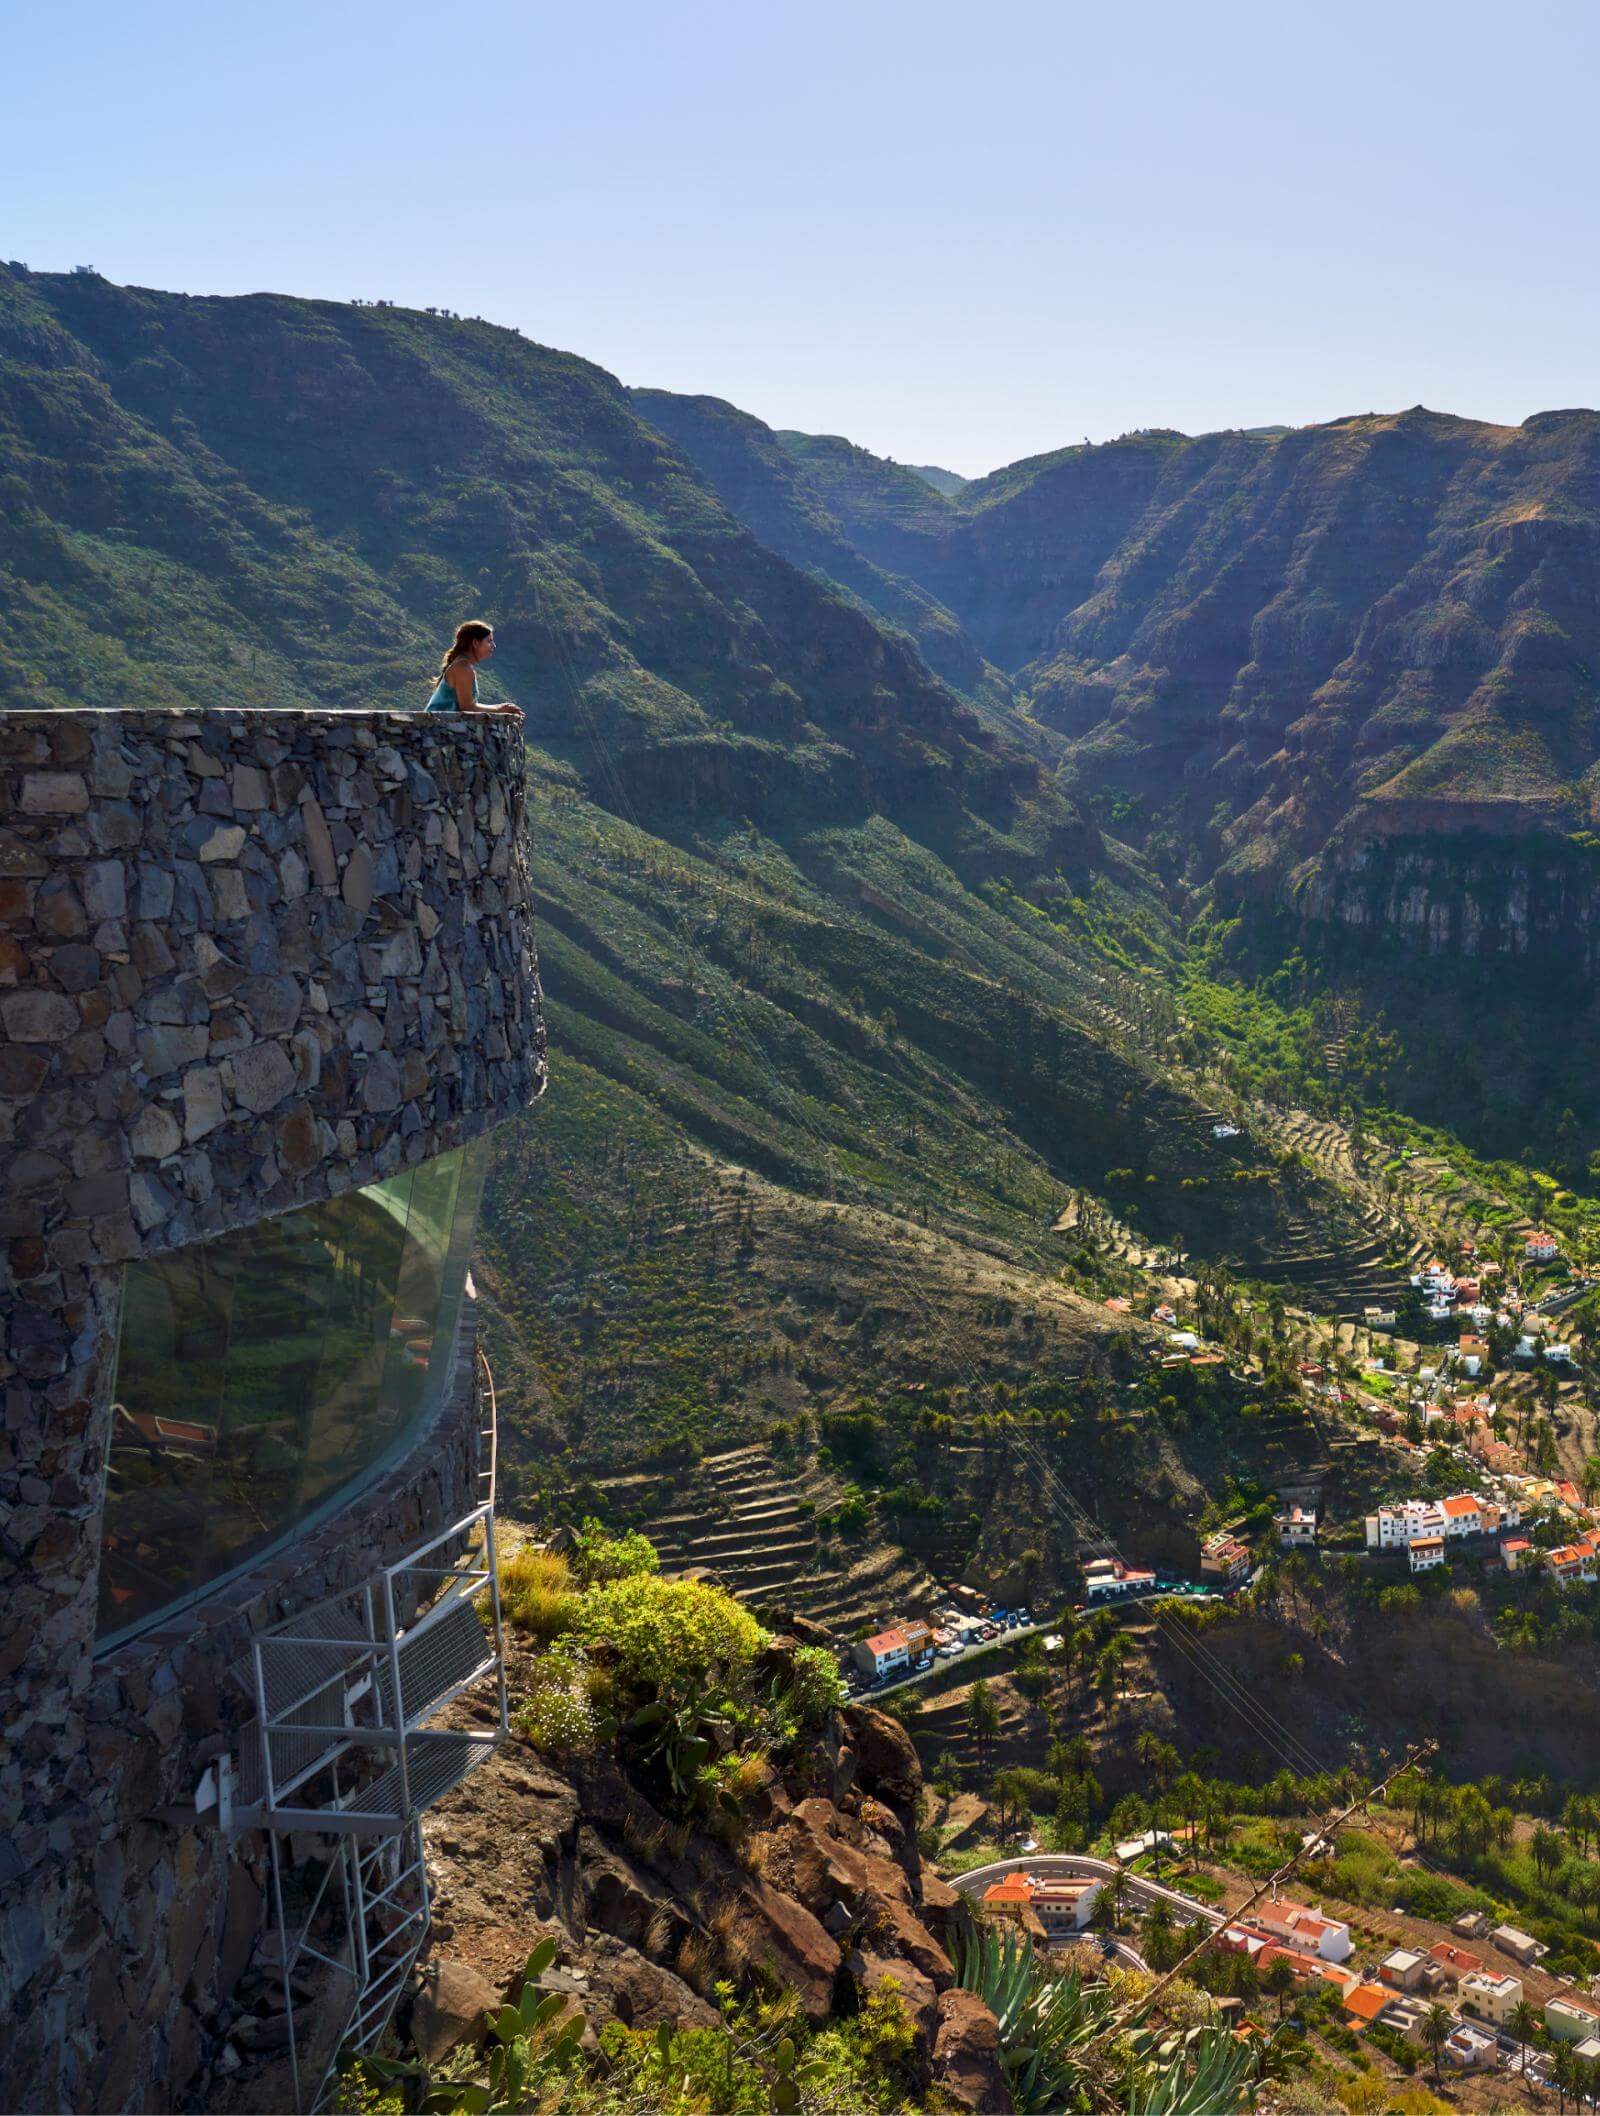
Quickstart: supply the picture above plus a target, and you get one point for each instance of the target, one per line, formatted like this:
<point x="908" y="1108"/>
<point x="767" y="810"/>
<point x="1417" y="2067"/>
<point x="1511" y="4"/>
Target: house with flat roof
<point x="1403" y="1969"/>
<point x="1488" y="1996"/>
<point x="1427" y="1552"/>
<point x="1521" y="1946"/>
<point x="1225" y="1558"/>
<point x="1470" y="2049"/>
<point x="1569" y="2020"/>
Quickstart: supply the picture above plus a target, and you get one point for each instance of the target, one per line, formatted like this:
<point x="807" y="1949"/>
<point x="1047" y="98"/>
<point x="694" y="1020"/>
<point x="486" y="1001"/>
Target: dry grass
<point x="536" y="1593"/>
<point x="730" y="1936"/>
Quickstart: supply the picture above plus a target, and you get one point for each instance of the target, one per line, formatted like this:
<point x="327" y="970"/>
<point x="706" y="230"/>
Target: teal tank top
<point x="444" y="699"/>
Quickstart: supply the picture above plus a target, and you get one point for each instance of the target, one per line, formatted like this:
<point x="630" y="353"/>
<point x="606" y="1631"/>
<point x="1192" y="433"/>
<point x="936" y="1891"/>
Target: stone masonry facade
<point x="247" y="960"/>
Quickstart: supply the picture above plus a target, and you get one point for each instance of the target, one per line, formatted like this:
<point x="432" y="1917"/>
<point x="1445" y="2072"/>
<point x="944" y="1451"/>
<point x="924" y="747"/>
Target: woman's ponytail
<point x="467" y="635"/>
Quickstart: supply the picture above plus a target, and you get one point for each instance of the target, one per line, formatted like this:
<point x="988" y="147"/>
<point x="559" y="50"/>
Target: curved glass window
<point x="266" y="1375"/>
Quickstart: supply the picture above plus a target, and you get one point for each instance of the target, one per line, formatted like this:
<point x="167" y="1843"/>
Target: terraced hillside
<point x="752" y="1520"/>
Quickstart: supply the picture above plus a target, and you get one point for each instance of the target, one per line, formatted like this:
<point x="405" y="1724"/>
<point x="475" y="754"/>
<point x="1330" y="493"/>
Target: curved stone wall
<point x="250" y="958"/>
<point x="247" y="960"/>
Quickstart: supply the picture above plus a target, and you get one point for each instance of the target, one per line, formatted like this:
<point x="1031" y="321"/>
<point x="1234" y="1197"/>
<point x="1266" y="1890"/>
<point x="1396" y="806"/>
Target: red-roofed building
<point x="1456" y="1962"/>
<point x="1225" y="1558"/>
<point x="882" y="1654"/>
<point x="1463" y="1515"/>
<point x="1367" y="2003"/>
<point x="1294" y="1924"/>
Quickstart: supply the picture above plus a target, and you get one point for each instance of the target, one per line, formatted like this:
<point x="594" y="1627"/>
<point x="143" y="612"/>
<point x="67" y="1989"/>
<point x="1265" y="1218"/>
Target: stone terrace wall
<point x="246" y="960"/>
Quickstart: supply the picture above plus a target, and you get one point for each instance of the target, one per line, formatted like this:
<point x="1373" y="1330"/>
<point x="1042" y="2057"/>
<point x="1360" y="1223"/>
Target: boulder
<point x="916" y="1992"/>
<point x="966" y="2056"/>
<point x="620" y="1896"/>
<point x="886" y="1760"/>
<point x="898" y="1930"/>
<point x="629" y="1987"/>
<point x="938" y="1904"/>
<point x="451" y="2000"/>
<point x="781" y="1935"/>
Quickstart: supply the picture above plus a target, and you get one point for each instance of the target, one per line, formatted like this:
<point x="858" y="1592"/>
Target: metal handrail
<point x="491" y="1431"/>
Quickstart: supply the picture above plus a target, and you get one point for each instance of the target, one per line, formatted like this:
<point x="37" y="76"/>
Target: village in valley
<point x="1460" y="1421"/>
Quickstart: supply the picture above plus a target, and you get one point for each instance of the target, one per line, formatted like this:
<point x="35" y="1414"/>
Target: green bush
<point x="670" y="1637"/>
<point x="602" y="1556"/>
<point x="818" y="1686"/>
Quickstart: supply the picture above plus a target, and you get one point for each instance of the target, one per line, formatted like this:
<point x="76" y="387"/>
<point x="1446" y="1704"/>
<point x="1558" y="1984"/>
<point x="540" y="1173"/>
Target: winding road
<point x="1079" y="1867"/>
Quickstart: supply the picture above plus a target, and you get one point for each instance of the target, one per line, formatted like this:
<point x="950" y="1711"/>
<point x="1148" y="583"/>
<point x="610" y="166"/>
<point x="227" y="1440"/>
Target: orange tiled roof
<point x="1014" y="1888"/>
<point x="1367" y="2001"/>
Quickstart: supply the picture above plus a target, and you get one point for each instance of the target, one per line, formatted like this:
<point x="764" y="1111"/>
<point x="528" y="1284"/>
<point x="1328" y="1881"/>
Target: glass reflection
<point x="264" y="1375"/>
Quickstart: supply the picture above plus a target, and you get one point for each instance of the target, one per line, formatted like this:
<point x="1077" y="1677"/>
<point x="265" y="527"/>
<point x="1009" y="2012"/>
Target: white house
<point x="1470" y="2049"/>
<point x="1570" y="2020"/>
<point x="882" y="1654"/>
<point x="1393" y="1527"/>
<point x="1426" y="1553"/>
<point x="1541" y="1248"/>
<point x="1063" y="1905"/>
<point x="1107" y="1578"/>
<point x="1306" y="1930"/>
<point x="1297" y="1527"/>
<point x="1463" y="1515"/>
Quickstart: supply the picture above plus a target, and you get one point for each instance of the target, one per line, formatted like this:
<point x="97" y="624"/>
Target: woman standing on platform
<point x="457" y="688"/>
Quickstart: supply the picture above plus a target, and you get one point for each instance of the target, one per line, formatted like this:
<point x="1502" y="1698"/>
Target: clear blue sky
<point x="959" y="231"/>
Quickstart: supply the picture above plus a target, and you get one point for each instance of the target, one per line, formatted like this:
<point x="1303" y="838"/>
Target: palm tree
<point x="1545" y="1847"/>
<point x="983" y="1719"/>
<point x="1434" y="2030"/>
<point x="1278" y="1982"/>
<point x="1562" y="2069"/>
<point x="1523" y="2023"/>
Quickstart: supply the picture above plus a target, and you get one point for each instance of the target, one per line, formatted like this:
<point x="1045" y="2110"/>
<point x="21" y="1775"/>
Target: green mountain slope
<point x="759" y="481"/>
<point x="796" y="896"/>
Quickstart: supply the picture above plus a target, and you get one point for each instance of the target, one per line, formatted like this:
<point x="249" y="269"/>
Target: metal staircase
<point x="344" y="1755"/>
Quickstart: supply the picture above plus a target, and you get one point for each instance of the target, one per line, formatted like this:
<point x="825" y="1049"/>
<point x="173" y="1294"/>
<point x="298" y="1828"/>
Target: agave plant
<point x="1202" y="2072"/>
<point x="523" y="2049"/>
<point x="1046" y="2023"/>
<point x="1051" y="2028"/>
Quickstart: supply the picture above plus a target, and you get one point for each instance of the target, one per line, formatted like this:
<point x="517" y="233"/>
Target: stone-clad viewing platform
<point x="258" y="971"/>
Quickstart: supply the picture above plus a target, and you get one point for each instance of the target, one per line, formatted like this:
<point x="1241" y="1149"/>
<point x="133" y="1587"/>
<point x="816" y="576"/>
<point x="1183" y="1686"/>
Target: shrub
<point x="602" y="1556"/>
<point x="818" y="1687"/>
<point x="555" y="1714"/>
<point x="673" y="1637"/>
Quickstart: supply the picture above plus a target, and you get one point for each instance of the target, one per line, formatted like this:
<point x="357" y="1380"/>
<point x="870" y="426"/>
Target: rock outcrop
<point x="824" y="1893"/>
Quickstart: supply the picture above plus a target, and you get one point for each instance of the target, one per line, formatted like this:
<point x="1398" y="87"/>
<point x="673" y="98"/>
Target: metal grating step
<point x="438" y="1657"/>
<point x="436" y="1765"/>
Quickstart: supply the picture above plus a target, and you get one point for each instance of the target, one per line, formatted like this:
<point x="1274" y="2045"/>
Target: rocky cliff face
<point x="1275" y="647"/>
<point x="1468" y="894"/>
<point x="822" y="1890"/>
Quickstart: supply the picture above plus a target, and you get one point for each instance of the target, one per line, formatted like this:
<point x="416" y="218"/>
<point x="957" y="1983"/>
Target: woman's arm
<point x="460" y="679"/>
